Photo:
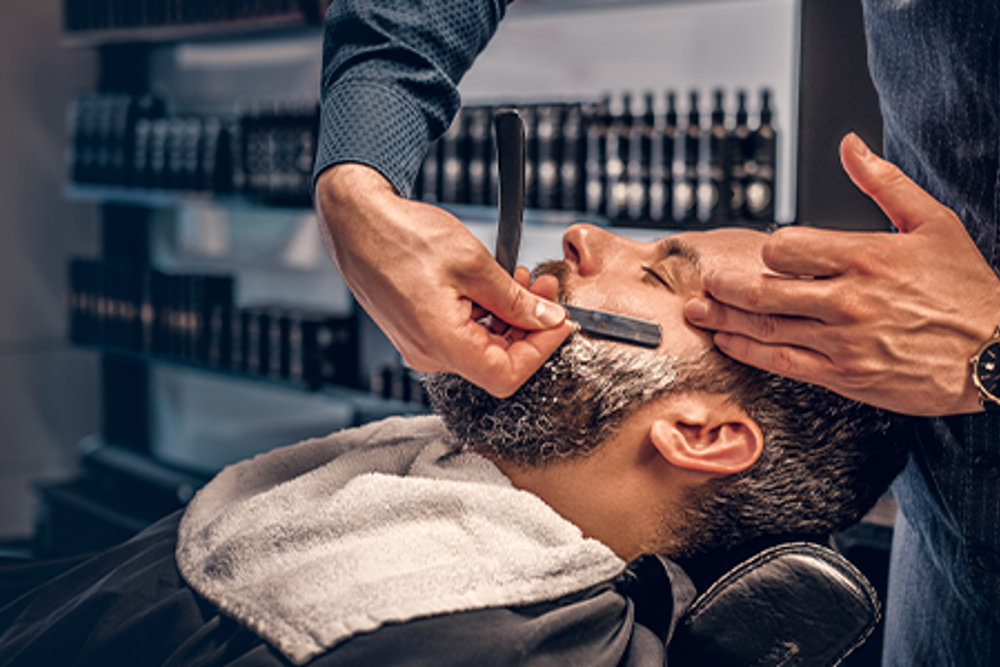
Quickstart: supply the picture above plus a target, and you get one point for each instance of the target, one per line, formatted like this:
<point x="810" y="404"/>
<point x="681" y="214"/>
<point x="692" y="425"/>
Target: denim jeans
<point x="936" y="65"/>
<point x="940" y="611"/>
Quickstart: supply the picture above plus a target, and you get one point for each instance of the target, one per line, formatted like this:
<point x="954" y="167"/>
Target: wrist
<point x="348" y="184"/>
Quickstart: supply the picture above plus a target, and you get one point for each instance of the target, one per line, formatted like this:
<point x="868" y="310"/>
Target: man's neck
<point x="608" y="507"/>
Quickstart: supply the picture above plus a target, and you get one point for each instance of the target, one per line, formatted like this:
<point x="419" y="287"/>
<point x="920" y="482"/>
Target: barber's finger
<point x="808" y="251"/>
<point x="546" y="287"/>
<point x="513" y="303"/>
<point x="522" y="276"/>
<point x="906" y="204"/>
<point x="761" y="294"/>
<point x="763" y="328"/>
<point x="501" y="364"/>
<point x="789" y="361"/>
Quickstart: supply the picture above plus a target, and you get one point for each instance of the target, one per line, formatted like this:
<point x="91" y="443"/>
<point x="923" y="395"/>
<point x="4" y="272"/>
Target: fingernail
<point x="549" y="314"/>
<point x="696" y="311"/>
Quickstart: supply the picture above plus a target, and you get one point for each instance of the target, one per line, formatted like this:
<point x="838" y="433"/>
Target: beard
<point x="571" y="405"/>
<point x="566" y="409"/>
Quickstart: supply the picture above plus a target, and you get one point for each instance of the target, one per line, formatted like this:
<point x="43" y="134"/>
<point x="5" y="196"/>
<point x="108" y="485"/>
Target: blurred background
<point x="48" y="390"/>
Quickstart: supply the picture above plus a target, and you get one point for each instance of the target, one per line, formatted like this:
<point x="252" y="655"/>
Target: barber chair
<point x="796" y="604"/>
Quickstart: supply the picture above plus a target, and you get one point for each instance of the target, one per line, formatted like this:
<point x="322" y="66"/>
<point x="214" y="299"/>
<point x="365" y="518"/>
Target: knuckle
<point x="753" y="294"/>
<point x="765" y="327"/>
<point x="518" y="300"/>
<point x="782" y="362"/>
<point x="778" y="244"/>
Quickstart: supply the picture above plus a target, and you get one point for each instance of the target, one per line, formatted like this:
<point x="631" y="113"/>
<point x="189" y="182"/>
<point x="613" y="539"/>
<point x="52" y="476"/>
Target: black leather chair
<point x="797" y="604"/>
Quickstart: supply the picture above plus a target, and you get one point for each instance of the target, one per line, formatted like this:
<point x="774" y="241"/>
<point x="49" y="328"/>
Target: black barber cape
<point x="130" y="606"/>
<point x="388" y="544"/>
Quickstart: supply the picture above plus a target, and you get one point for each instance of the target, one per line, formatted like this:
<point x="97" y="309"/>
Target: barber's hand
<point x="888" y="319"/>
<point x="429" y="284"/>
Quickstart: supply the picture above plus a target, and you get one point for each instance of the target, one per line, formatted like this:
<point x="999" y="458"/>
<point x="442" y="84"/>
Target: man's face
<point x="588" y="387"/>
<point x="651" y="281"/>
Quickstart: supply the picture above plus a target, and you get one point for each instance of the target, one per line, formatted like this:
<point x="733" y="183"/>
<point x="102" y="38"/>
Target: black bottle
<point x="640" y="166"/>
<point x="548" y="134"/>
<point x="529" y="114"/>
<point x="686" y="156"/>
<point x="479" y="128"/>
<point x="713" y="177"/>
<point x="740" y="150"/>
<point x="599" y="117"/>
<point x="572" y="169"/>
<point x="430" y="174"/>
<point x="761" y="168"/>
<point x="453" y="161"/>
<point x="661" y="193"/>
<point x="619" y="152"/>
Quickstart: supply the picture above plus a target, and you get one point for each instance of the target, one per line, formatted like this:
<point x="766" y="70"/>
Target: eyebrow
<point x="670" y="246"/>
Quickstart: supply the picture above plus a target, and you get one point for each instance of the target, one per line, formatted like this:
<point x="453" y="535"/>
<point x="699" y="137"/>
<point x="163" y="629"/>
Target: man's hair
<point x="826" y="459"/>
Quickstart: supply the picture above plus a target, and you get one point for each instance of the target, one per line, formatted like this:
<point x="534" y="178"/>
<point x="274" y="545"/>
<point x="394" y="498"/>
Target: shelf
<point x="187" y="32"/>
<point x="165" y="199"/>
<point x="366" y="406"/>
<point x="468" y="213"/>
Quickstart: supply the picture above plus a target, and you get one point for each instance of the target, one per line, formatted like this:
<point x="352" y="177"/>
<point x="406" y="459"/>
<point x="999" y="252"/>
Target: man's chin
<point x="565" y="410"/>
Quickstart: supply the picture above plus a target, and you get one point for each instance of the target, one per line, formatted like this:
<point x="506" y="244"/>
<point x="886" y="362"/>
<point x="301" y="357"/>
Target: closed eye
<point x="657" y="277"/>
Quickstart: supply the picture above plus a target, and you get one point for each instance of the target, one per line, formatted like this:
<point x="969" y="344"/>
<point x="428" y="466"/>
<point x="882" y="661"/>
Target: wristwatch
<point x="986" y="372"/>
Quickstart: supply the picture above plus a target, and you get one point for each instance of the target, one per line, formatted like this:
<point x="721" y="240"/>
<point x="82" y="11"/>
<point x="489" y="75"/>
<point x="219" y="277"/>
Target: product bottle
<point x="618" y="155"/>
<point x="739" y="151"/>
<point x="572" y="169"/>
<point x="713" y="198"/>
<point x="662" y="178"/>
<point x="529" y="114"/>
<point x="453" y="160"/>
<point x="761" y="168"/>
<point x="686" y="156"/>
<point x="548" y="137"/>
<point x="479" y="150"/>
<point x="430" y="174"/>
<point x="640" y="165"/>
<point x="599" y="117"/>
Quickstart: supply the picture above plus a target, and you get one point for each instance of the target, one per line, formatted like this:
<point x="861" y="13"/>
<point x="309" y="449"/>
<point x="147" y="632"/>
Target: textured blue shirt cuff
<point x="370" y="123"/>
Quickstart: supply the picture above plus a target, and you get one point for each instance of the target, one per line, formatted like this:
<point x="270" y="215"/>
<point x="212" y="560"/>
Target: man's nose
<point x="585" y="247"/>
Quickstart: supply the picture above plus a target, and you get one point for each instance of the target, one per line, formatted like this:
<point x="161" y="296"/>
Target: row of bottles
<point x="193" y="318"/>
<point x="84" y="15"/>
<point x="265" y="150"/>
<point x="655" y="169"/>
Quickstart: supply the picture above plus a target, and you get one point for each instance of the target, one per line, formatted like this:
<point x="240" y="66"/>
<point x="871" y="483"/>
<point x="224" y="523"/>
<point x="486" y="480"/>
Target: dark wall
<point x="836" y="97"/>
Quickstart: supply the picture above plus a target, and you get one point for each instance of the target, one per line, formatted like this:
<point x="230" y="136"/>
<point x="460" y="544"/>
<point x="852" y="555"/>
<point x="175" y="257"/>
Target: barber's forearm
<point x="390" y="71"/>
<point x="348" y="196"/>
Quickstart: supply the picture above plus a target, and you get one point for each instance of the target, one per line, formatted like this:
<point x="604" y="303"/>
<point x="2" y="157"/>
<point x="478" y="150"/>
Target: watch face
<point x="988" y="369"/>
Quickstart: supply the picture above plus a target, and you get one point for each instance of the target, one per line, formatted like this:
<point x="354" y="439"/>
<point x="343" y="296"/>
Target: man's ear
<point x="705" y="432"/>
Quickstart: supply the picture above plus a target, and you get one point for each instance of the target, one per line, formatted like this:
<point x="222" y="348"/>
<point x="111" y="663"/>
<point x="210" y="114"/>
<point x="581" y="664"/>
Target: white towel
<point x="314" y="543"/>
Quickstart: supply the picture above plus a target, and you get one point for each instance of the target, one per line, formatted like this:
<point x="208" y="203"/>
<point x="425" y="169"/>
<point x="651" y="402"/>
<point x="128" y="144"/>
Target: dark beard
<point x="565" y="410"/>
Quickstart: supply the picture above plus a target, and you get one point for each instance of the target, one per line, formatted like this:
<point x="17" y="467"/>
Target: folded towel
<point x="314" y="543"/>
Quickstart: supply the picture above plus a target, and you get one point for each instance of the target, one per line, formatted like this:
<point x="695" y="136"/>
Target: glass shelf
<point x="164" y="199"/>
<point x="366" y="407"/>
<point x="165" y="34"/>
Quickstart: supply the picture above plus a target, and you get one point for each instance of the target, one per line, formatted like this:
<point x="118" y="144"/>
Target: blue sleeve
<point x="390" y="75"/>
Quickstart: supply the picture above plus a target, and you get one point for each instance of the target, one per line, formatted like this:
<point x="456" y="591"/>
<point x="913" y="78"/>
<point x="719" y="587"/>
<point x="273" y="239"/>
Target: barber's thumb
<point x="902" y="200"/>
<point x="547" y="313"/>
<point x="522" y="308"/>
